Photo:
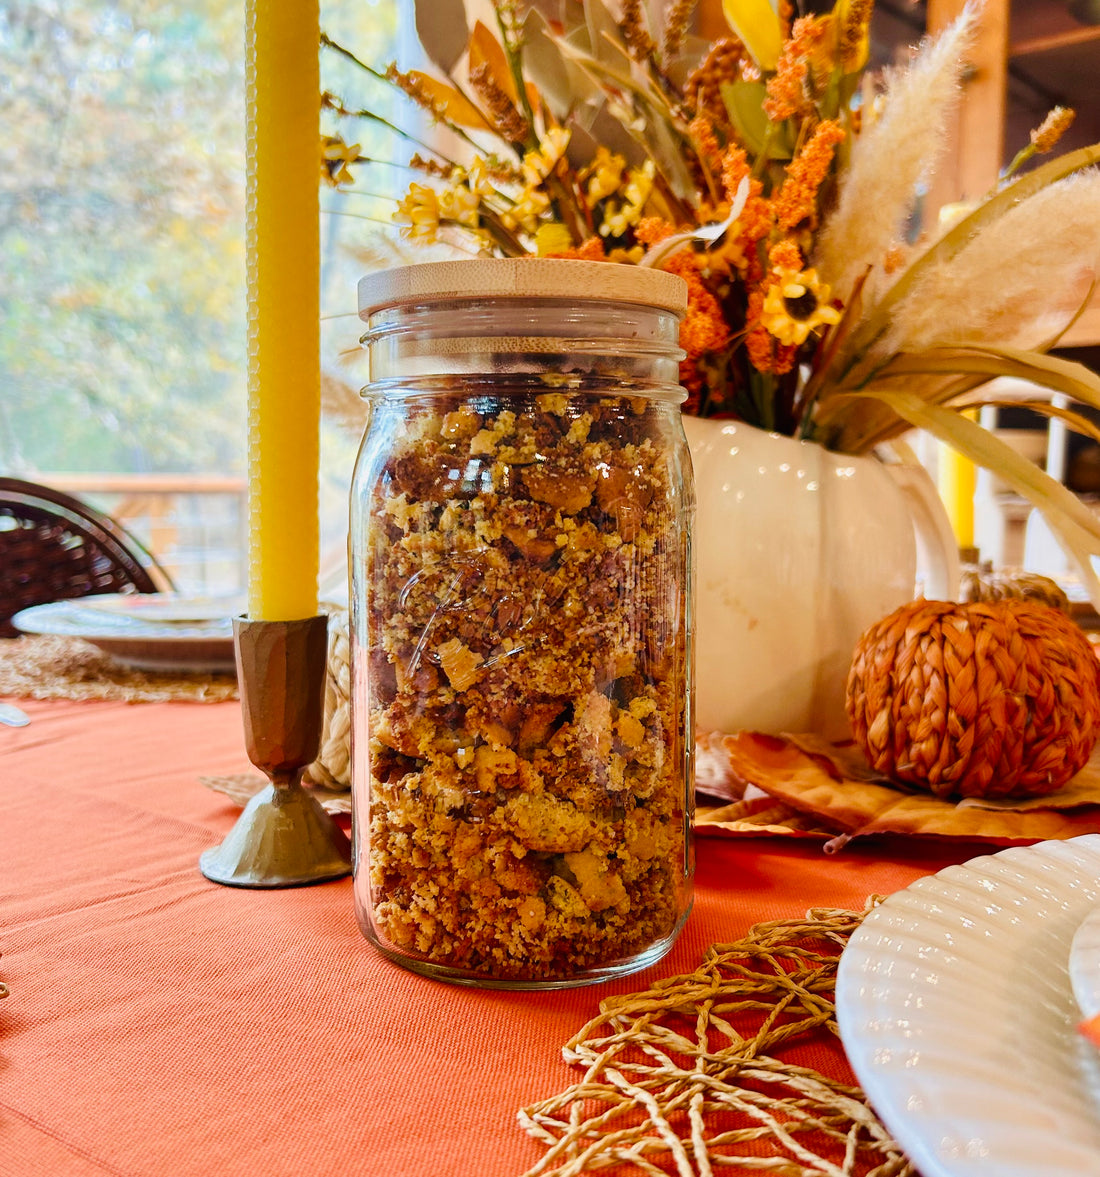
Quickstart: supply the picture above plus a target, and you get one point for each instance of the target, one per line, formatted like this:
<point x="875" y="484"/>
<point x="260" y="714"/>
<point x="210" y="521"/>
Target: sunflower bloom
<point x="766" y="353"/>
<point x="794" y="305"/>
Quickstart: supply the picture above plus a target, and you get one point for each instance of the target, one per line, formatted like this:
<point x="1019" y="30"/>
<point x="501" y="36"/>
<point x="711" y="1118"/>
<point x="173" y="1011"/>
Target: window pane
<point x="122" y="268"/>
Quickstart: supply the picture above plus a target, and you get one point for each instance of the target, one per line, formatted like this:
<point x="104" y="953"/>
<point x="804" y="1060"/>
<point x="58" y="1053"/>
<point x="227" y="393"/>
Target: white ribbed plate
<point x="1084" y="964"/>
<point x="956" y="1011"/>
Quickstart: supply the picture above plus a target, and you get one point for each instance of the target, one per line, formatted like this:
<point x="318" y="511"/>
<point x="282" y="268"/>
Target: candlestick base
<point x="284" y="838"/>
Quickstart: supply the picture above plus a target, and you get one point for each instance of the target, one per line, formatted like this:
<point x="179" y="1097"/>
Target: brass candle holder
<point x="284" y="838"/>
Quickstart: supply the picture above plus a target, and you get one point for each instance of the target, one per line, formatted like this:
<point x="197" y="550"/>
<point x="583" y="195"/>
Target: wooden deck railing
<point x="194" y="524"/>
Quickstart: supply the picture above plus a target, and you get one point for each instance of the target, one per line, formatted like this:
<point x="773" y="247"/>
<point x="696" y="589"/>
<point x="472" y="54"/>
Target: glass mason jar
<point x="521" y="622"/>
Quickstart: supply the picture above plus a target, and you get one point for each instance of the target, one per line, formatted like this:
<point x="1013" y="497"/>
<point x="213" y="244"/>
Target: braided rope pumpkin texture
<point x="985" y="699"/>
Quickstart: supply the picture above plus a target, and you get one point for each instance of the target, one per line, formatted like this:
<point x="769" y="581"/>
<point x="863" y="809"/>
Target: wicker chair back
<point x="54" y="547"/>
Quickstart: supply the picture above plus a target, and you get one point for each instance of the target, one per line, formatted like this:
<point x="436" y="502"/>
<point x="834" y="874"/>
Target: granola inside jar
<point x="520" y="622"/>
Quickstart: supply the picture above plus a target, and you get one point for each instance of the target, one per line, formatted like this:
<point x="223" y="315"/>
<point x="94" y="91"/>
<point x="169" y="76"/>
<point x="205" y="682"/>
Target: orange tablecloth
<point x="160" y="1025"/>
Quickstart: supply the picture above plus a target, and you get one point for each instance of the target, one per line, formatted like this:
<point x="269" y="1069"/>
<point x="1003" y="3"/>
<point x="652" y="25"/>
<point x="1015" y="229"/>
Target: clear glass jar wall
<point x="521" y="653"/>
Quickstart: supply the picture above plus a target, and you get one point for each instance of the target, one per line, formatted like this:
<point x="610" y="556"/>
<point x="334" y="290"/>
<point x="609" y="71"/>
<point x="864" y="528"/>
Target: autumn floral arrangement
<point x="779" y="178"/>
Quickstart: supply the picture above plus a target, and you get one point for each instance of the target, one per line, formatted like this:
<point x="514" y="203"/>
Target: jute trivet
<point x="688" y="1078"/>
<point x="52" y="667"/>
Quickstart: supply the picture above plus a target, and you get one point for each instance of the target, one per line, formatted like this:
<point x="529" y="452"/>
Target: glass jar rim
<point x="523" y="278"/>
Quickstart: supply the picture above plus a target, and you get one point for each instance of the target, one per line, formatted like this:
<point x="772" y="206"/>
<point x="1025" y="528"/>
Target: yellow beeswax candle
<point x="283" y="242"/>
<point x="957" y="482"/>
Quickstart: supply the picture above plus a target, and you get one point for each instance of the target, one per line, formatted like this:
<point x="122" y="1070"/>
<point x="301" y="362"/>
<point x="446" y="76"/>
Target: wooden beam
<point x="974" y="161"/>
<point x="1068" y="37"/>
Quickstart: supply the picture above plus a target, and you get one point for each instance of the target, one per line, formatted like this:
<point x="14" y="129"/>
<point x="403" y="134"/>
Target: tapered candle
<point x="283" y="242"/>
<point x="958" y="476"/>
<point x="958" y="479"/>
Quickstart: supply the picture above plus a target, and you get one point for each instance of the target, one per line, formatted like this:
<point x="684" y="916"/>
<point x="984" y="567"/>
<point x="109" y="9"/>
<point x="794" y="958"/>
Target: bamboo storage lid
<point x="477" y="278"/>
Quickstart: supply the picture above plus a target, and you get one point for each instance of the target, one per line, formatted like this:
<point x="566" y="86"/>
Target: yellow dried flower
<point x="477" y="178"/>
<point x="538" y="164"/>
<point x="602" y="177"/>
<point x="335" y="157"/>
<point x="524" y="214"/>
<point x="459" y="204"/>
<point x="418" y="214"/>
<point x="618" y="218"/>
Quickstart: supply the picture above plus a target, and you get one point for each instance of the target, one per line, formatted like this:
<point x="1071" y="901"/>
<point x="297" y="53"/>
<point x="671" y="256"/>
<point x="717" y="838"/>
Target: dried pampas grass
<point x="1042" y="253"/>
<point x="891" y="156"/>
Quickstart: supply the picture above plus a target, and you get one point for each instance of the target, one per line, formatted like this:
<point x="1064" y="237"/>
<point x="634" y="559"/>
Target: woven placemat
<point x="52" y="667"/>
<point x="689" y="1077"/>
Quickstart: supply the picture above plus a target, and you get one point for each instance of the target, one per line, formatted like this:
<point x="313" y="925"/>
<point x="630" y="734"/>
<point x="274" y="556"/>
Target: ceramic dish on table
<point x="957" y="1013"/>
<point x="1084" y="965"/>
<point x="167" y="632"/>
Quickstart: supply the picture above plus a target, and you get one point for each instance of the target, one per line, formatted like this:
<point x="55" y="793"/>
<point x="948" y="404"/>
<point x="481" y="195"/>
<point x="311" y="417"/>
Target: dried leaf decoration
<point x="559" y="85"/>
<point x="757" y="24"/>
<point x="456" y="107"/>
<point x="486" y="50"/>
<point x="832" y="789"/>
<point x="603" y="32"/>
<point x="441" y="27"/>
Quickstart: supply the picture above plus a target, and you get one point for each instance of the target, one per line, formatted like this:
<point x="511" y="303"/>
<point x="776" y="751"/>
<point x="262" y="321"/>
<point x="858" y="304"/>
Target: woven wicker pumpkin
<point x="987" y="699"/>
<point x="978" y="585"/>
